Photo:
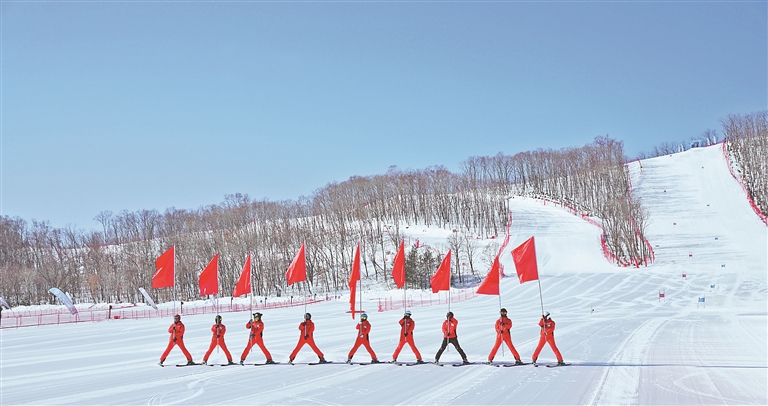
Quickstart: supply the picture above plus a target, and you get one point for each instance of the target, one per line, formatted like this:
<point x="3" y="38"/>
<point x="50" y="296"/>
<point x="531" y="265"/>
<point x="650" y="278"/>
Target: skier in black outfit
<point x="449" y="336"/>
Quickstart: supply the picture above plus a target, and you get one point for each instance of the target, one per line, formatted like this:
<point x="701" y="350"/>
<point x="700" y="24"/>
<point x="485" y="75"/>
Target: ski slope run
<point x="633" y="349"/>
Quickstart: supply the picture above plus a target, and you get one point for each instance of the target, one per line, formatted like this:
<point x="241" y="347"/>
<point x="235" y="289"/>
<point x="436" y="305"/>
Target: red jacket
<point x="547" y="327"/>
<point x="257" y="328"/>
<point x="176" y="330"/>
<point x="503" y="325"/>
<point x="364" y="327"/>
<point x="407" y="326"/>
<point x="307" y="327"/>
<point x="218" y="330"/>
<point x="449" y="328"/>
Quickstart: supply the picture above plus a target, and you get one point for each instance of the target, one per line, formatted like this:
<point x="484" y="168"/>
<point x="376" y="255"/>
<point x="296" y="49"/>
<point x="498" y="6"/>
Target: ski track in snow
<point x="634" y="349"/>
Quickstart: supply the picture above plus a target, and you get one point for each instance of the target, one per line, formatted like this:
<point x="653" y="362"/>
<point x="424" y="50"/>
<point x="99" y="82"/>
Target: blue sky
<point x="142" y="105"/>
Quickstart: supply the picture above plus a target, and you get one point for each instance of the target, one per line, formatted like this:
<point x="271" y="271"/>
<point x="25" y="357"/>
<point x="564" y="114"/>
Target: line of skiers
<point x="407" y="325"/>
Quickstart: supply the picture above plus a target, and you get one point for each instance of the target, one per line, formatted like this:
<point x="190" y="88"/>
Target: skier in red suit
<point x="547" y="335"/>
<point x="177" y="338"/>
<point x="449" y="336"/>
<point x="218" y="331"/>
<point x="363" y="329"/>
<point x="407" y="324"/>
<point x="503" y="325"/>
<point x="307" y="328"/>
<point x="256" y="337"/>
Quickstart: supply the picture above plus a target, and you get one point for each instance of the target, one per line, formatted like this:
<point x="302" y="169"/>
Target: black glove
<point x="261" y="334"/>
<point x="306" y="336"/>
<point x="174" y="339"/>
<point x="252" y="336"/>
<point x="406" y="334"/>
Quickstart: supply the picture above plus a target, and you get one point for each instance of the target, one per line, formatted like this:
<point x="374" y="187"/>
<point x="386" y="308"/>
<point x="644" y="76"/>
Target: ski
<point x="273" y="363"/>
<point x="508" y="365"/>
<point x="328" y="362"/>
<point x="469" y="363"/>
<point x="557" y="365"/>
<point x="188" y="365"/>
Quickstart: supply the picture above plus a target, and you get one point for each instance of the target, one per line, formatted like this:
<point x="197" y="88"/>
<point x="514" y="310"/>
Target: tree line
<point x="110" y="264"/>
<point x="747" y="145"/>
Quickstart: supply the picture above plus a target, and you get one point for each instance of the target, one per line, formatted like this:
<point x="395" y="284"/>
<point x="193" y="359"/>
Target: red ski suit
<point x="218" y="330"/>
<point x="547" y="335"/>
<point x="177" y="338"/>
<point x="363" y="328"/>
<point x="257" y="332"/>
<point x="503" y="325"/>
<point x="307" y="327"/>
<point x="406" y="336"/>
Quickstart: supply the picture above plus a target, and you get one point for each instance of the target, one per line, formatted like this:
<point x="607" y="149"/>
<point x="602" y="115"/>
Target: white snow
<point x="632" y="350"/>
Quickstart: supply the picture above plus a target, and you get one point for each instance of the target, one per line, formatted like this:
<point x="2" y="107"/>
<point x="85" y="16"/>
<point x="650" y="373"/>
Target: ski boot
<point x="465" y="362"/>
<point x="190" y="362"/>
<point x="375" y="361"/>
<point x="230" y="363"/>
<point x="560" y="363"/>
<point x="290" y="361"/>
<point x="323" y="361"/>
<point x="269" y="361"/>
<point x="419" y="361"/>
<point x="518" y="361"/>
<point x="242" y="361"/>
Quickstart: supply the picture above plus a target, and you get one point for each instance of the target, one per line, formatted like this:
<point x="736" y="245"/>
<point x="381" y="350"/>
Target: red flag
<point x="164" y="273"/>
<point x="441" y="280"/>
<point x="354" y="276"/>
<point x="243" y="286"/>
<point x="297" y="272"/>
<point x="525" y="261"/>
<point x="209" y="278"/>
<point x="398" y="268"/>
<point x="490" y="285"/>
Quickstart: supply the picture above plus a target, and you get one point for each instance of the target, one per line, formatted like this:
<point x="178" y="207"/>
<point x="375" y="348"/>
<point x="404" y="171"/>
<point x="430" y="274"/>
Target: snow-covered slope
<point x="633" y="349"/>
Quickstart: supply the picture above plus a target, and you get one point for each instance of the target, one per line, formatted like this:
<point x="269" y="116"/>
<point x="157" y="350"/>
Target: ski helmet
<point x="218" y="318"/>
<point x="449" y="315"/>
<point x="364" y="316"/>
<point x="307" y="316"/>
<point x="546" y="315"/>
<point x="257" y="315"/>
<point x="407" y="314"/>
<point x="503" y="311"/>
<point x="177" y="317"/>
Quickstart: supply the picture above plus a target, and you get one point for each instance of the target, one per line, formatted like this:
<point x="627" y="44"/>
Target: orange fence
<point x="430" y="300"/>
<point x="27" y="318"/>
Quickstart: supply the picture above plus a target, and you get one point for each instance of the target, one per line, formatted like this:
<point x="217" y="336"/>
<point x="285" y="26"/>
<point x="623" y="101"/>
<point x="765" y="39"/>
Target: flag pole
<point x="250" y="278"/>
<point x="540" y="297"/>
<point x="175" y="292"/>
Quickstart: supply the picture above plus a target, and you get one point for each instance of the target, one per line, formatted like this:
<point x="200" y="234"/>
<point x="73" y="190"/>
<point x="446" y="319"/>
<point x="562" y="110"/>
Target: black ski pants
<point x="455" y="342"/>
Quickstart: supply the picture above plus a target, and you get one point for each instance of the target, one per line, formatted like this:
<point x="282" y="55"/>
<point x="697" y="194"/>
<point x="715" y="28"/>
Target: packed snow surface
<point x="633" y="349"/>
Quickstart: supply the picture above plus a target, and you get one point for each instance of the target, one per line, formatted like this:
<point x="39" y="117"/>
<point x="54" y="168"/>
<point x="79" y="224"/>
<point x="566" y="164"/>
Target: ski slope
<point x="633" y="349"/>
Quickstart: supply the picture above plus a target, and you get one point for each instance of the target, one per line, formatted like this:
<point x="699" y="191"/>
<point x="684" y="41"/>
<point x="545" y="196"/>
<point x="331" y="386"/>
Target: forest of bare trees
<point x="110" y="264"/>
<point x="747" y="143"/>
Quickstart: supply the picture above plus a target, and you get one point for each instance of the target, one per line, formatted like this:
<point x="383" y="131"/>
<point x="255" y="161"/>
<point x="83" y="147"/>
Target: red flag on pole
<point x="441" y="280"/>
<point x="525" y="261"/>
<point x="297" y="272"/>
<point x="490" y="285"/>
<point x="354" y="276"/>
<point x="398" y="268"/>
<point x="209" y="278"/>
<point x="164" y="272"/>
<point x="243" y="286"/>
